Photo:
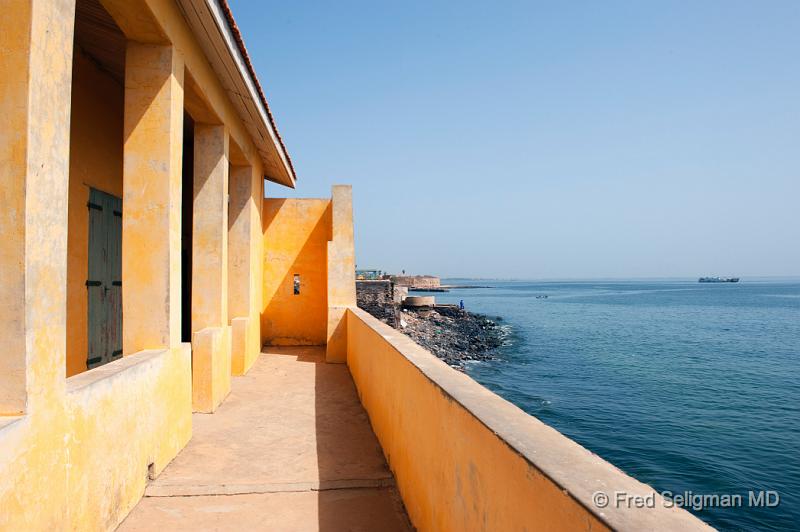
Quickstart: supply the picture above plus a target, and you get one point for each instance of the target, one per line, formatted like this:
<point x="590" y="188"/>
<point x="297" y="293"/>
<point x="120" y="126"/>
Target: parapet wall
<point x="308" y="271"/>
<point x="83" y="462"/>
<point x="295" y="274"/>
<point x="466" y="459"/>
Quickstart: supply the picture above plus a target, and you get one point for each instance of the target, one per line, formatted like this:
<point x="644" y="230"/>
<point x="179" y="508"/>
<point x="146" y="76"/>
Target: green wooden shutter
<point x="114" y="287"/>
<point x="104" y="285"/>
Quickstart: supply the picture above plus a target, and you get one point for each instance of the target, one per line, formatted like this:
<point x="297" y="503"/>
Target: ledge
<point x="112" y="369"/>
<point x="577" y="471"/>
<point x="7" y="421"/>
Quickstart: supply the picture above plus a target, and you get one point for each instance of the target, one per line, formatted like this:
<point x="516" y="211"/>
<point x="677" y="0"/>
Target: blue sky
<point x="545" y="139"/>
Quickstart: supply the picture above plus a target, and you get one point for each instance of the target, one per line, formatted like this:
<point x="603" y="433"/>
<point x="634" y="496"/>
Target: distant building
<point x="369" y="275"/>
<point x="416" y="281"/>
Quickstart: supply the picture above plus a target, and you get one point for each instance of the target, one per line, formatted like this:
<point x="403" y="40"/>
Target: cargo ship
<point x="718" y="280"/>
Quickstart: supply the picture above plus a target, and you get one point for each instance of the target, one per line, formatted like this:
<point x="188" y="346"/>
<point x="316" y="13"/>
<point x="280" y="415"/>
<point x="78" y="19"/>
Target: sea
<point x="691" y="388"/>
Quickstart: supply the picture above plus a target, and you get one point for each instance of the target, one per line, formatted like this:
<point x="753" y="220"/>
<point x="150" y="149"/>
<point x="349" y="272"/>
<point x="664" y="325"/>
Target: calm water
<point x="685" y="386"/>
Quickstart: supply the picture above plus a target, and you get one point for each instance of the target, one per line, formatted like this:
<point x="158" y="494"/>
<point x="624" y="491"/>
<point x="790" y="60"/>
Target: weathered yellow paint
<point x="341" y="272"/>
<point x="136" y="20"/>
<point x="84" y="459"/>
<point x="296" y="234"/>
<point x="211" y="368"/>
<point x="162" y="21"/>
<point x="210" y="227"/>
<point x="466" y="459"/>
<point x="453" y="473"/>
<point x="17" y="59"/>
<point x="312" y="238"/>
<point x="244" y="254"/>
<point x="244" y="350"/>
<point x="79" y="456"/>
<point x="145" y="400"/>
<point x="211" y="357"/>
<point x="341" y="257"/>
<point x="35" y="38"/>
<point x="95" y="161"/>
<point x="60" y="464"/>
<point x="151" y="267"/>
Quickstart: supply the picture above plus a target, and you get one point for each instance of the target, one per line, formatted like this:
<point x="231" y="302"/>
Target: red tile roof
<point x="240" y="43"/>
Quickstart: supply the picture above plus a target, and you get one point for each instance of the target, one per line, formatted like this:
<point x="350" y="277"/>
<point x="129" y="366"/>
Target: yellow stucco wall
<point x="296" y="234"/>
<point x="146" y="405"/>
<point x="211" y="368"/>
<point x="341" y="272"/>
<point x="95" y="161"/>
<point x="466" y="459"/>
<point x="84" y="459"/>
<point x="78" y="459"/>
<point x="452" y="472"/>
<point x="211" y="341"/>
<point x="15" y="34"/>
<point x="79" y="456"/>
<point x="245" y="263"/>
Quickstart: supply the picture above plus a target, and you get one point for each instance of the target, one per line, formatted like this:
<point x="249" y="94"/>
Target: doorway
<point x="187" y="199"/>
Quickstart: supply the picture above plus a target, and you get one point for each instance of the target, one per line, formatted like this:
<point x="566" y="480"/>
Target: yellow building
<point x="142" y="272"/>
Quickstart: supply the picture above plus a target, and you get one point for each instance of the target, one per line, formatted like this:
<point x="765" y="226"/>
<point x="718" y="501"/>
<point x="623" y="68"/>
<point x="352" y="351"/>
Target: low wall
<point x="211" y="368"/>
<point x="466" y="459"/>
<point x="83" y="462"/>
<point x="295" y="236"/>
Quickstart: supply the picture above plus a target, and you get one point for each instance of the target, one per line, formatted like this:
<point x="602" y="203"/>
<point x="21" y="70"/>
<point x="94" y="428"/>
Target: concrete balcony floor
<point x="291" y="448"/>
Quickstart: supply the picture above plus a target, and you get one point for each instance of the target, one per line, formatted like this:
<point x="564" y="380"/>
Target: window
<point x="297" y="284"/>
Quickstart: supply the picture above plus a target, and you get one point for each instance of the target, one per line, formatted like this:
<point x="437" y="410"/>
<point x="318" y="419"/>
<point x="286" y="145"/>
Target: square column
<point x="211" y="366"/>
<point x="341" y="272"/>
<point x="35" y="91"/>
<point x="244" y="239"/>
<point x="151" y="215"/>
<point x="210" y="228"/>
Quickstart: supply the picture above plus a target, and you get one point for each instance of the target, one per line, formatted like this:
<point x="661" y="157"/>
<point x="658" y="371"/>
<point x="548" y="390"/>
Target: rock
<point x="453" y="335"/>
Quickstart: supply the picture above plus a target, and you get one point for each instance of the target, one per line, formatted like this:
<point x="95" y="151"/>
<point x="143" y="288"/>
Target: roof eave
<point x="224" y="48"/>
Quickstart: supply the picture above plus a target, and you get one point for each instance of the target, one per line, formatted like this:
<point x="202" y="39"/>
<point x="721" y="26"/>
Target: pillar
<point x="35" y="91"/>
<point x="211" y="366"/>
<point x="244" y="238"/>
<point x="151" y="214"/>
<point x="341" y="272"/>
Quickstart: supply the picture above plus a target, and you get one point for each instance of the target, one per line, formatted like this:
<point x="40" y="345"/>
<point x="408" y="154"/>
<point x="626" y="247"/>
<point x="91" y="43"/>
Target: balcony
<point x="393" y="440"/>
<point x="291" y="448"/>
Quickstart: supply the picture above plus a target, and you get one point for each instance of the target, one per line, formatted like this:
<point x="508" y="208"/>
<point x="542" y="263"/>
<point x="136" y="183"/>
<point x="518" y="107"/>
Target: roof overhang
<point x="212" y="22"/>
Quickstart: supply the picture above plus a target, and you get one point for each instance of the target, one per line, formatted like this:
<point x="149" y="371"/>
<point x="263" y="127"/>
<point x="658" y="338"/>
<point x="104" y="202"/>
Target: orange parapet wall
<point x="465" y="459"/>
<point x="341" y="272"/>
<point x="309" y="271"/>
<point x="296" y="235"/>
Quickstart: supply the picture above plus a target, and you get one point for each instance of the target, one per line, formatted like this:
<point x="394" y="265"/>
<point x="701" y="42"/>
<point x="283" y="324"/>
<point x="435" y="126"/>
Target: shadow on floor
<point x="345" y="438"/>
<point x="291" y="448"/>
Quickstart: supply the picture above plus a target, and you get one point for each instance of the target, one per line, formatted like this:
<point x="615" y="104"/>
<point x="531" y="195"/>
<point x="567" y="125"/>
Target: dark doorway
<point x="104" y="285"/>
<point x="187" y="200"/>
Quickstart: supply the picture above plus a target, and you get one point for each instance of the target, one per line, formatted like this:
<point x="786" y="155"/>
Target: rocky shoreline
<point x="453" y="335"/>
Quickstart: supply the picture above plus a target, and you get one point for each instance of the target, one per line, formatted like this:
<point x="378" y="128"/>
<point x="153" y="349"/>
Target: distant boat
<point x="718" y="280"/>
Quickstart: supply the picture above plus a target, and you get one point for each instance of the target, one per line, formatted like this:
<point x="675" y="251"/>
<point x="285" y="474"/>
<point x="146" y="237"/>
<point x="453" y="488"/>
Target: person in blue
<point x="461" y="305"/>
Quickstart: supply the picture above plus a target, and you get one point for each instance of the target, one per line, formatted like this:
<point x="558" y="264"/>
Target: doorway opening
<point x="94" y="231"/>
<point x="187" y="200"/>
